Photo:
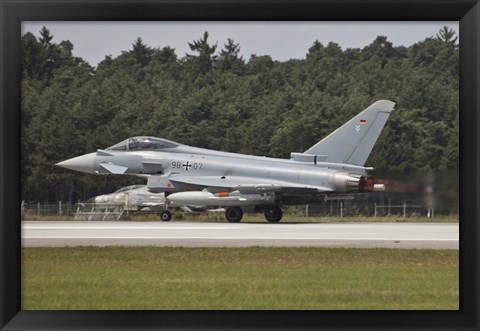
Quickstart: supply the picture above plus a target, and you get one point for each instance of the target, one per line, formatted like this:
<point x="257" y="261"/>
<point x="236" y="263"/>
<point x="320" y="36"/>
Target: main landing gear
<point x="273" y="213"/>
<point x="234" y="214"/>
<point x="165" y="216"/>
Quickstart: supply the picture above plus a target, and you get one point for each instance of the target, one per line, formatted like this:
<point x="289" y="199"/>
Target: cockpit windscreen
<point x="143" y="143"/>
<point x="130" y="188"/>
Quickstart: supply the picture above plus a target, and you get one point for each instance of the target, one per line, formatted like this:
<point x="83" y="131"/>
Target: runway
<point x="207" y="234"/>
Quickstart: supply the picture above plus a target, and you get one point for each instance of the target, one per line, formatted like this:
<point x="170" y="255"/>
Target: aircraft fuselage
<point x="167" y="164"/>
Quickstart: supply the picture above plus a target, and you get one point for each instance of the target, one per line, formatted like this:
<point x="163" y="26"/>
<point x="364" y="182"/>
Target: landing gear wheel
<point x="273" y="214"/>
<point x="234" y="214"/>
<point x="165" y="216"/>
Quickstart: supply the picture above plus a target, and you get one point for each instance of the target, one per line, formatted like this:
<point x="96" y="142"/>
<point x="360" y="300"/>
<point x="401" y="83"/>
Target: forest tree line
<point x="214" y="98"/>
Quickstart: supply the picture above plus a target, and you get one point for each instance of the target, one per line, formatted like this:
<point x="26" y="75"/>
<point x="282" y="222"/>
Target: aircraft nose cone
<point x="84" y="163"/>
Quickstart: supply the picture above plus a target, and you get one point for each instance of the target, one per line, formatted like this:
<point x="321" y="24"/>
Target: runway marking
<point x="128" y="228"/>
<point x="436" y="236"/>
<point x="244" y="238"/>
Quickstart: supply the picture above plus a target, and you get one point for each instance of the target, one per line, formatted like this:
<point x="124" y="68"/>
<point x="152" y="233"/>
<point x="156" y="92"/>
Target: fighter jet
<point x="247" y="183"/>
<point x="139" y="198"/>
<point x="133" y="198"/>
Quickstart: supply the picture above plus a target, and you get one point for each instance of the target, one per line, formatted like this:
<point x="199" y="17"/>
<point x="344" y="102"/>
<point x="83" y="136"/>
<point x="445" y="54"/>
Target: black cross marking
<point x="186" y="166"/>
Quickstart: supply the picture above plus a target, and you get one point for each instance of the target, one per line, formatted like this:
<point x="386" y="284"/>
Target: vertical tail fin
<point x="352" y="142"/>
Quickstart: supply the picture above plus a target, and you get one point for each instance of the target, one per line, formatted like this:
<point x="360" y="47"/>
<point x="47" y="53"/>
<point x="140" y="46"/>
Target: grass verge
<point x="165" y="278"/>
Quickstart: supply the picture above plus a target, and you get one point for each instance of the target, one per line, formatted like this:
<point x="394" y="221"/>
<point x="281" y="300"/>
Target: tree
<point x="229" y="59"/>
<point x="165" y="55"/>
<point x="141" y="52"/>
<point x="315" y="49"/>
<point x="447" y="35"/>
<point x="45" y="37"/>
<point x="380" y="48"/>
<point x="452" y="155"/>
<point x="33" y="57"/>
<point x="323" y="63"/>
<point x="205" y="58"/>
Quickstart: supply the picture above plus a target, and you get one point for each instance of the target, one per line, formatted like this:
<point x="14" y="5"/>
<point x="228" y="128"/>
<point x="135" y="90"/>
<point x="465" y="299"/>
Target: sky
<point x="93" y="41"/>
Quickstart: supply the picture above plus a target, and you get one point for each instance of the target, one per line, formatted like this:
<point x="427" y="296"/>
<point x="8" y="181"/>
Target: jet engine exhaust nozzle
<point x="352" y="183"/>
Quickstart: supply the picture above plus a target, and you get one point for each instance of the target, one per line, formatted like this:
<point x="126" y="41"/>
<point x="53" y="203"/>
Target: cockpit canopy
<point x="143" y="143"/>
<point x="129" y="188"/>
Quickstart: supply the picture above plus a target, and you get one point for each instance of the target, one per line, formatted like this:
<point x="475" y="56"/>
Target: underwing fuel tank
<point x="206" y="198"/>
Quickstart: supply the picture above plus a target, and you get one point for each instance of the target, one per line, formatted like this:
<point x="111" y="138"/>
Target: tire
<point x="273" y="214"/>
<point x="165" y="216"/>
<point x="234" y="214"/>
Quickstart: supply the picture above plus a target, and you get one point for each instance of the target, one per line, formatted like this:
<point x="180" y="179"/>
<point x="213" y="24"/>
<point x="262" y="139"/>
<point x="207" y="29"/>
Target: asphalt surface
<point x="208" y="234"/>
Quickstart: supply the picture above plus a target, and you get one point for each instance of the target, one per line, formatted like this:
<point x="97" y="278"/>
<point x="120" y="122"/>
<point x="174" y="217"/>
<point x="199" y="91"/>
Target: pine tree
<point x="447" y="35"/>
<point x="205" y="58"/>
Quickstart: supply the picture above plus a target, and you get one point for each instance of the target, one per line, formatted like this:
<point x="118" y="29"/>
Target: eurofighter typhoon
<point x="140" y="198"/>
<point x="245" y="183"/>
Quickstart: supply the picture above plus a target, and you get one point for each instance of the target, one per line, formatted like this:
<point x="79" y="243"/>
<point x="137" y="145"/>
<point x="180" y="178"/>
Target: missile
<point x="205" y="198"/>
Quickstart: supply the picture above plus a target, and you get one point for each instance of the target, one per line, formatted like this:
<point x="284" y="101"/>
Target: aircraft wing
<point x="113" y="168"/>
<point x="249" y="184"/>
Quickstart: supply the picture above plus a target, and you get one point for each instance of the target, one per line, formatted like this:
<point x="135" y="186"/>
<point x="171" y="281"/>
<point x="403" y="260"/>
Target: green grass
<point x="238" y="278"/>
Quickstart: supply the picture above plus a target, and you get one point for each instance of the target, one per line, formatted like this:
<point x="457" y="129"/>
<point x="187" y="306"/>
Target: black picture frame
<point x="13" y="12"/>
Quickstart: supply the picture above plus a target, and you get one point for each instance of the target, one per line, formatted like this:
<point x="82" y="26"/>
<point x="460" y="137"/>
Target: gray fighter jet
<point x="246" y="183"/>
<point x="133" y="198"/>
<point x="140" y="198"/>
